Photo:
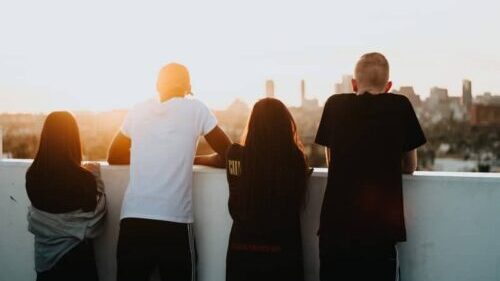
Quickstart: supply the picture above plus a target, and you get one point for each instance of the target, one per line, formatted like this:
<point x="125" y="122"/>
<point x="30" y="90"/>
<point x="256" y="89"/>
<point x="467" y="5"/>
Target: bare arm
<point x="409" y="162"/>
<point x="327" y="156"/>
<point x="218" y="141"/>
<point x="119" y="151"/>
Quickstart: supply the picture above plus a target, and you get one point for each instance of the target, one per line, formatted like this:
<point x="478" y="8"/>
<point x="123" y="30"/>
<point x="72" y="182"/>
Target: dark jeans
<point x="357" y="260"/>
<point x="78" y="265"/>
<point x="144" y="245"/>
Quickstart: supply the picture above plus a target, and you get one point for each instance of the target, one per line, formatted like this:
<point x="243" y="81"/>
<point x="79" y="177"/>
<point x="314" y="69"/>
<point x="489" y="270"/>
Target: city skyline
<point x="269" y="90"/>
<point x="101" y="56"/>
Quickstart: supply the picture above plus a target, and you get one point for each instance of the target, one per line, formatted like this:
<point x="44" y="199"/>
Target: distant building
<point x="438" y="96"/>
<point x="467" y="93"/>
<point x="238" y="107"/>
<point x="233" y="119"/>
<point x="409" y="92"/>
<point x="439" y="106"/>
<point x="270" y="89"/>
<point x="457" y="111"/>
<point x="308" y="104"/>
<point x="485" y="115"/>
<point x="345" y="86"/>
<point x="488" y="99"/>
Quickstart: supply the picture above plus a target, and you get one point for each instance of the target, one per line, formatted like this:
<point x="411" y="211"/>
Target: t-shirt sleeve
<point x="323" y="136"/>
<point x="126" y="127"/>
<point x="414" y="136"/>
<point x="207" y="120"/>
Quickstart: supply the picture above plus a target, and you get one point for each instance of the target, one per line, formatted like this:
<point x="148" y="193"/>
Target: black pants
<point x="249" y="266"/>
<point x="78" y="264"/>
<point x="144" y="245"/>
<point x="357" y="260"/>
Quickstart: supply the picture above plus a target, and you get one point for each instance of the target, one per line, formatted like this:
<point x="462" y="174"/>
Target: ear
<point x="388" y="87"/>
<point x="354" y="85"/>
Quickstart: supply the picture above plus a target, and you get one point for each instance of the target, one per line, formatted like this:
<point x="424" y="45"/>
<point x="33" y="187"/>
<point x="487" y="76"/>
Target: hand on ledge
<point x="118" y="161"/>
<point x="212" y="160"/>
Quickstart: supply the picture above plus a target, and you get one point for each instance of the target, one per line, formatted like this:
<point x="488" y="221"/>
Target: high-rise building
<point x="345" y="85"/>
<point x="307" y="104"/>
<point x="467" y="93"/>
<point x="302" y="91"/>
<point x="270" y="88"/>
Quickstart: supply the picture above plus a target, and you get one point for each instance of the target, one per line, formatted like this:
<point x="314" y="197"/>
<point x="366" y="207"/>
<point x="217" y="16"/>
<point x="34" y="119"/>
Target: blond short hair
<point x="372" y="72"/>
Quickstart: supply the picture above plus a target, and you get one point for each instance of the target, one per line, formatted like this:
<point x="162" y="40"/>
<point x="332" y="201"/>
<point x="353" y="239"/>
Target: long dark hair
<point x="59" y="156"/>
<point x="274" y="170"/>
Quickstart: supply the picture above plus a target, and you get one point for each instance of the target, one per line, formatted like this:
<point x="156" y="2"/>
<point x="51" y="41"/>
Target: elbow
<point x="220" y="161"/>
<point x="116" y="160"/>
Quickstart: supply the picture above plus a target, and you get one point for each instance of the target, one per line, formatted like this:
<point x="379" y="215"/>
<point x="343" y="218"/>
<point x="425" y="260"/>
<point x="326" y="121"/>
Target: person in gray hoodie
<point x="68" y="204"/>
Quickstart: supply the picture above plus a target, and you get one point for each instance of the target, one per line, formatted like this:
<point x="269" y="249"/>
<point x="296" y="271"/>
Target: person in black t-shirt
<point x="371" y="138"/>
<point x="267" y="180"/>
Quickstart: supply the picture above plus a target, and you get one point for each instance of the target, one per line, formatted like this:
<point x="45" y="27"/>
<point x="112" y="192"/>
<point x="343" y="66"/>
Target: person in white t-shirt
<point x="159" y="139"/>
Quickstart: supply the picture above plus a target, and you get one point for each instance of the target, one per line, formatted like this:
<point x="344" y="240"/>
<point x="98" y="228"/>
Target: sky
<point x="100" y="55"/>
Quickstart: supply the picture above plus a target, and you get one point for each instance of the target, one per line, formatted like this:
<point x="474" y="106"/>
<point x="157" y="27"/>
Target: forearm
<point x="409" y="162"/>
<point x="118" y="158"/>
<point x="327" y="156"/>
<point x="408" y="168"/>
<point x="212" y="160"/>
<point x="219" y="142"/>
<point x="119" y="151"/>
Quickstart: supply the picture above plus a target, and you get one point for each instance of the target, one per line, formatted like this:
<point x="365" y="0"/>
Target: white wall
<point x="453" y="222"/>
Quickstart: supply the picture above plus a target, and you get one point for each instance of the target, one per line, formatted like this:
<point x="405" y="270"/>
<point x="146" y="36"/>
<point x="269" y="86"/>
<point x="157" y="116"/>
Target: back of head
<point x="274" y="167"/>
<point x="59" y="152"/>
<point x="173" y="81"/>
<point x="371" y="73"/>
<point x="270" y="126"/>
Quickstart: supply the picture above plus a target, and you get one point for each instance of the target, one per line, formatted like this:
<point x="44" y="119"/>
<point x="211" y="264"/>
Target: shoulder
<point x="339" y="98"/>
<point x="397" y="98"/>
<point x="192" y="101"/>
<point x="193" y="104"/>
<point x="400" y="102"/>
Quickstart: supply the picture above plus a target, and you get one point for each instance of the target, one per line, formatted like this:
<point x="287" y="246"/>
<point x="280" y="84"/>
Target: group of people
<point x="370" y="137"/>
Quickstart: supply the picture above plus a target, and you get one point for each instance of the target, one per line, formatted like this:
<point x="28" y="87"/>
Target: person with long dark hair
<point x="67" y="203"/>
<point x="267" y="178"/>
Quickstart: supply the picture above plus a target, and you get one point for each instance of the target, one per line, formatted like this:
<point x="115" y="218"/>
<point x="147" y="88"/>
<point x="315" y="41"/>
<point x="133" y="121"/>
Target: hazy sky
<point x="100" y="55"/>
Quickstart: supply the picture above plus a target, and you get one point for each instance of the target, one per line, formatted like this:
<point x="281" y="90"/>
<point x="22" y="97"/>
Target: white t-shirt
<point x="164" y="139"/>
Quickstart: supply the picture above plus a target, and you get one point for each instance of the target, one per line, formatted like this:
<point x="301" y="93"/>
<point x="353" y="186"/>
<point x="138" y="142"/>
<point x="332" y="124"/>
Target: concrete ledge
<point x="452" y="220"/>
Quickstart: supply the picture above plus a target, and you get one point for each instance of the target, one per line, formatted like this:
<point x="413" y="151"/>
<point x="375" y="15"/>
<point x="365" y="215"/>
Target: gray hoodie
<point x="57" y="234"/>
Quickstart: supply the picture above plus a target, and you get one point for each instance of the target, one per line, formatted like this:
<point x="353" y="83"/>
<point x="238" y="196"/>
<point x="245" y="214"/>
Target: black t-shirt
<point x="264" y="235"/>
<point x="367" y="135"/>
